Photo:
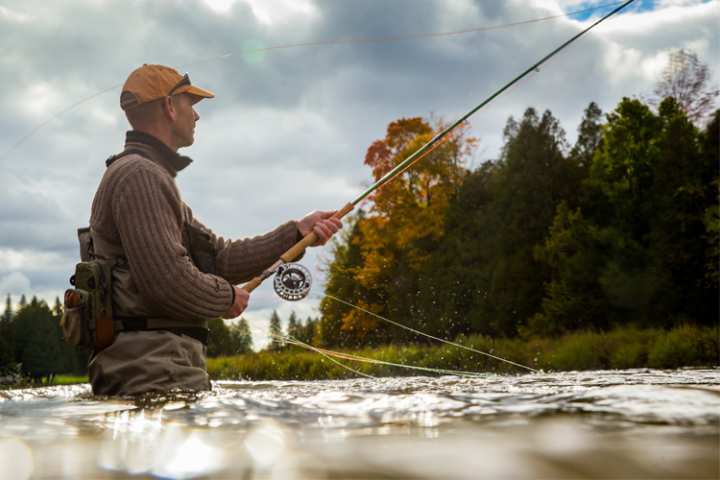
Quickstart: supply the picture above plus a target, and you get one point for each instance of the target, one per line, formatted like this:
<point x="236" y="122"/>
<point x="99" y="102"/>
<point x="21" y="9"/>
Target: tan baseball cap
<point x="151" y="82"/>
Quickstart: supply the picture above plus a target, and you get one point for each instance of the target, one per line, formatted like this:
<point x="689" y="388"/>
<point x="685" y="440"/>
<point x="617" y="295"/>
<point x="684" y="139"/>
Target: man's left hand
<point x="322" y="223"/>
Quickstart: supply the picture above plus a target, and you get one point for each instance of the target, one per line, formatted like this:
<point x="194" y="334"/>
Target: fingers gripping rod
<point x="293" y="252"/>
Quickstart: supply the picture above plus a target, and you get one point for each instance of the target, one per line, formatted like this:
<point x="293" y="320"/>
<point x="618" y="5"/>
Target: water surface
<point x="597" y="424"/>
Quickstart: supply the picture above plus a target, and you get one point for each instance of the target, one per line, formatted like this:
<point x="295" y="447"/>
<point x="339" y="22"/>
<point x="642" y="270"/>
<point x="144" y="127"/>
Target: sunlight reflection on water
<point x="609" y="424"/>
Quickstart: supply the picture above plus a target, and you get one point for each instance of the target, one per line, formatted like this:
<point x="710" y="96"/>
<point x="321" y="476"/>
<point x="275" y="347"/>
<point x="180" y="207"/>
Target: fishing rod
<point x="292" y="280"/>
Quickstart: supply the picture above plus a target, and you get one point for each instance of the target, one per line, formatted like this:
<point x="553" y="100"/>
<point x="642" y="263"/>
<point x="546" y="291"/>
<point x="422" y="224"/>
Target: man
<point x="171" y="273"/>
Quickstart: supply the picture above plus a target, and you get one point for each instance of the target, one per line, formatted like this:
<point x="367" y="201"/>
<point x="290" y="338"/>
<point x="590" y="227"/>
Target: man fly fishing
<point x="166" y="273"/>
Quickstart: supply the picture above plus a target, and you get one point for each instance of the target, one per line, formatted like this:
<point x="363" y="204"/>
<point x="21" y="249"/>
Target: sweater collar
<point x="157" y="151"/>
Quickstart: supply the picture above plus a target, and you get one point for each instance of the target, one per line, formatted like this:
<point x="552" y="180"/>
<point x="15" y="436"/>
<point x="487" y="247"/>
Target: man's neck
<point x="164" y="136"/>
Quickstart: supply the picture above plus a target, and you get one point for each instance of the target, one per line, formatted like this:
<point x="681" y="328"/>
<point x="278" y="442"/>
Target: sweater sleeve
<point x="240" y="260"/>
<point x="148" y="214"/>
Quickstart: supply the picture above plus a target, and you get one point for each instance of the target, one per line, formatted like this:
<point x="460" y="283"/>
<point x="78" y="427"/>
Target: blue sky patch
<point x="638" y="6"/>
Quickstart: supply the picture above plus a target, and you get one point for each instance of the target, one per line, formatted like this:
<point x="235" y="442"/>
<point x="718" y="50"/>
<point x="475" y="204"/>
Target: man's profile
<point x="170" y="273"/>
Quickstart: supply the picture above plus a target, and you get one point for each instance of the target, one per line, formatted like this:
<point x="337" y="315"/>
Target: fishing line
<point x="317" y="350"/>
<point x="414" y="36"/>
<point x="386" y="39"/>
<point x="359" y="358"/>
<point x="448" y="342"/>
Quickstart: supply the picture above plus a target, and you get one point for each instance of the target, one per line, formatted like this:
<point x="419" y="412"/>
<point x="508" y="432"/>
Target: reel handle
<point x="295" y="251"/>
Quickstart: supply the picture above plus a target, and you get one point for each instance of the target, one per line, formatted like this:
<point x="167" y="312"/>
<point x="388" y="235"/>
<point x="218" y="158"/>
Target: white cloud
<point x="13" y="16"/>
<point x="15" y="283"/>
<point x="28" y="260"/>
<point x="273" y="12"/>
<point x="39" y="99"/>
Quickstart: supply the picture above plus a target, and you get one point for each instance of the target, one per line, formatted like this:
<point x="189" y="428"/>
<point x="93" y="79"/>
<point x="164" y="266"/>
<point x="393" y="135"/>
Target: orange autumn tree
<point x="376" y="266"/>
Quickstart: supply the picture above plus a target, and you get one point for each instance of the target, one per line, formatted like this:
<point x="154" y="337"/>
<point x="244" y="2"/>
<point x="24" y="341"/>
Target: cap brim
<point x="195" y="91"/>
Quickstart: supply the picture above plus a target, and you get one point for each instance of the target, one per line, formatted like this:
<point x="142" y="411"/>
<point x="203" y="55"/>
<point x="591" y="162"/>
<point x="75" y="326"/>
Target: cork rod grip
<point x="295" y="251"/>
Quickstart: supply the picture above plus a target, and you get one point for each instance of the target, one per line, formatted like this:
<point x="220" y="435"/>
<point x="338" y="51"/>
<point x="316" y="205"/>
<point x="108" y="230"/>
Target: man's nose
<point x="197" y="117"/>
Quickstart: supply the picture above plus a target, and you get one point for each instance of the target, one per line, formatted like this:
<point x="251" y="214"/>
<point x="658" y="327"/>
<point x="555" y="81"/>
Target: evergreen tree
<point x="58" y="308"/>
<point x="8" y="313"/>
<point x="7" y="349"/>
<point x="227" y="340"/>
<point x="275" y="333"/>
<point x="241" y="338"/>
<point x="589" y="137"/>
<point x="23" y="301"/>
<point x="293" y="326"/>
<point x="486" y="278"/>
<point x="38" y="345"/>
<point x="634" y="251"/>
<point x="710" y="145"/>
<point x="219" y="338"/>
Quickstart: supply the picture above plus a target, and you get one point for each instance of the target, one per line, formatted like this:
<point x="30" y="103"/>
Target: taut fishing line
<point x="418" y="332"/>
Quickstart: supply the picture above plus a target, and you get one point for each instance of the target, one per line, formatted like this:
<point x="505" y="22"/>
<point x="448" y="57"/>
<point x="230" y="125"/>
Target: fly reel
<point x="292" y="281"/>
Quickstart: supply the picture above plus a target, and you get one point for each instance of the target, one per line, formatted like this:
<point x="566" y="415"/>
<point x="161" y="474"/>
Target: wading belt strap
<point x="134" y="324"/>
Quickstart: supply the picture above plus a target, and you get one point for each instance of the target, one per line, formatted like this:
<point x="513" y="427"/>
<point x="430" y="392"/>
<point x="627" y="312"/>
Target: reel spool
<point x="292" y="282"/>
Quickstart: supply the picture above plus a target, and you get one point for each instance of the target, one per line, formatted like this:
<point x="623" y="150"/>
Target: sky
<point x="289" y="128"/>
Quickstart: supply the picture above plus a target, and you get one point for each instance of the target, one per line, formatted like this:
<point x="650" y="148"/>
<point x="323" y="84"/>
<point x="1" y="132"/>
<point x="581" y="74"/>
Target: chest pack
<point x="88" y="319"/>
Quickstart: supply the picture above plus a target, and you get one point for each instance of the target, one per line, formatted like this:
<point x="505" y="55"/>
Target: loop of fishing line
<point x="359" y="358"/>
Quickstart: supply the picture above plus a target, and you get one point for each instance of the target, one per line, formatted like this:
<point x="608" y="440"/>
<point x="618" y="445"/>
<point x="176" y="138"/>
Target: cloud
<point x="289" y="128"/>
<point x="14" y="283"/>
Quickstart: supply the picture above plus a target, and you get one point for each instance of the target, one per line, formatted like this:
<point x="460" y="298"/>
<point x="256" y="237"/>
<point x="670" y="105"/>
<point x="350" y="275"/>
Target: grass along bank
<point x="683" y="346"/>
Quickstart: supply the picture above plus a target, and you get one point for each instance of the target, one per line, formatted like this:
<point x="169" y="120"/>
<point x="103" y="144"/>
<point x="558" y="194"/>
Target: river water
<point x="599" y="424"/>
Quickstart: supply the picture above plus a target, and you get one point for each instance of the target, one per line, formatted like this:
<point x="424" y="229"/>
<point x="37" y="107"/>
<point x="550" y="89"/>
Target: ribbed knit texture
<point x="138" y="207"/>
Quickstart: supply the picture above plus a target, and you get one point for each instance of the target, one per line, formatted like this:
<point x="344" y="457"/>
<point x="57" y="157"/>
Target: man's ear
<point x="168" y="108"/>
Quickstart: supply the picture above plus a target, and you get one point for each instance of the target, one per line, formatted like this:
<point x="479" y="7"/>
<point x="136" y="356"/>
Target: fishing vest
<point x="106" y="301"/>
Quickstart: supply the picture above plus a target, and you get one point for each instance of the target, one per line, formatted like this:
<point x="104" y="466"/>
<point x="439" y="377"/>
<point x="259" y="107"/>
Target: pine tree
<point x="23" y="301"/>
<point x="218" y="338"/>
<point x="58" y="308"/>
<point x="241" y="338"/>
<point x="589" y="136"/>
<point x="292" y="329"/>
<point x="275" y="333"/>
<point x="8" y="313"/>
<point x="38" y="343"/>
<point x="7" y="348"/>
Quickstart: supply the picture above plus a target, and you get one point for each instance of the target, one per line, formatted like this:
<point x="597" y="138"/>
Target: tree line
<point x="306" y="332"/>
<point x="31" y="341"/>
<point x="620" y="228"/>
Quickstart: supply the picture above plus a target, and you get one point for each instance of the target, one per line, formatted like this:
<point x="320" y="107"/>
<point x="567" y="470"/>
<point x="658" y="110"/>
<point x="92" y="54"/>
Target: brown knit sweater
<point x="138" y="213"/>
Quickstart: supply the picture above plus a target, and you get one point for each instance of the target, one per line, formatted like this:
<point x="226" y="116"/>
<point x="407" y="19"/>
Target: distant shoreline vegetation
<point x="622" y="348"/>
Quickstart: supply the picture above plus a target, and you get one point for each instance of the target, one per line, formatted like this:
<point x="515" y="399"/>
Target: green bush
<point x="682" y="346"/>
<point x="580" y="351"/>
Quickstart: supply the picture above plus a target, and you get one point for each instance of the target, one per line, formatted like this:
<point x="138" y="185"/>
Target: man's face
<point x="183" y="127"/>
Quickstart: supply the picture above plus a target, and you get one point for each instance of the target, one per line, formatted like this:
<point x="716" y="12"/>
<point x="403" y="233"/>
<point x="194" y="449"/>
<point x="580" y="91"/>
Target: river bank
<point x="684" y="346"/>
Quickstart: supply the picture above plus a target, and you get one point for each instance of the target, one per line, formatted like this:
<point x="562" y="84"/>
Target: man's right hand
<point x="241" y="302"/>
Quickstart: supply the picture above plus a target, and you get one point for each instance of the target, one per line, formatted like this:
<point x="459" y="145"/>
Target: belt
<point x="134" y="324"/>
